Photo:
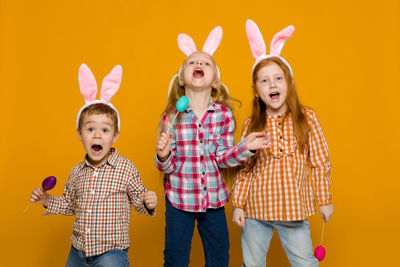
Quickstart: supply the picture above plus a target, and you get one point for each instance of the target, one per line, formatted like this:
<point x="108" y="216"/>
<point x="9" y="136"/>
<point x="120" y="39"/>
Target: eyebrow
<point x="94" y="122"/>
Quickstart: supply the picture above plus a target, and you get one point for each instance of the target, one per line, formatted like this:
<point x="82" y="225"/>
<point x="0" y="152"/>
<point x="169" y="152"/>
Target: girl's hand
<point x="258" y="140"/>
<point x="326" y="212"/>
<point x="163" y="146"/>
<point x="40" y="196"/>
<point x="238" y="217"/>
<point x="150" y="199"/>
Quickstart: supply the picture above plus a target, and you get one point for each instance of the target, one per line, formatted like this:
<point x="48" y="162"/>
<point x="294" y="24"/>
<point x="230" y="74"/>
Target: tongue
<point x="275" y="97"/>
<point x="96" y="148"/>
<point x="198" y="74"/>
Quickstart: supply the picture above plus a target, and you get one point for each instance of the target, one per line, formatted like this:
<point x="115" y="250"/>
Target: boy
<point x="100" y="189"/>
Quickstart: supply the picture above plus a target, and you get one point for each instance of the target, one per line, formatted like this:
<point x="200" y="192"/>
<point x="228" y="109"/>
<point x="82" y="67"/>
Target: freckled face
<point x="271" y="87"/>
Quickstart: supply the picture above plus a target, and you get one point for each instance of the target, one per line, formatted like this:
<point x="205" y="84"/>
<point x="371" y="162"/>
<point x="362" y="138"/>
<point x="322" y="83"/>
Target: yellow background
<point x="345" y="57"/>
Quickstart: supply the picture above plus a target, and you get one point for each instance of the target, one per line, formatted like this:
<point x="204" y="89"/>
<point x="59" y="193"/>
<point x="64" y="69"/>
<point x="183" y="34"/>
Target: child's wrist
<point x="163" y="159"/>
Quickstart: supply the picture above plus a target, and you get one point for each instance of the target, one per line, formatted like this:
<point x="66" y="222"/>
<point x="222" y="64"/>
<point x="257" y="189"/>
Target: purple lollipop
<point x="49" y="183"/>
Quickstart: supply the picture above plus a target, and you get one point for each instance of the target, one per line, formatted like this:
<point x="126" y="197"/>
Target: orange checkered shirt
<point x="279" y="187"/>
<point x="101" y="199"/>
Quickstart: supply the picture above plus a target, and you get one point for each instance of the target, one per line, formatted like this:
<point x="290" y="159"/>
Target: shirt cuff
<point x="243" y="149"/>
<point x="51" y="206"/>
<point x="163" y="165"/>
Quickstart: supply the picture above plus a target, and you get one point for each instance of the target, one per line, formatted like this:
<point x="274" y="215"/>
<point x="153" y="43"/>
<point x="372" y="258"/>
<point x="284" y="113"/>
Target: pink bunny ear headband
<point x="187" y="46"/>
<point x="109" y="87"/>
<point x="257" y="44"/>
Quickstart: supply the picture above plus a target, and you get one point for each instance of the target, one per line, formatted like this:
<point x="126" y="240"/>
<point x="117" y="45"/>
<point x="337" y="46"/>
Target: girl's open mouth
<point x="198" y="73"/>
<point x="274" y="96"/>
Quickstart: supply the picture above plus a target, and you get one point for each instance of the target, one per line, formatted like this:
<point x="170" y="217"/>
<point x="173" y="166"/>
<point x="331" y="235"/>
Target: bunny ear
<point x="87" y="83"/>
<point x="256" y="41"/>
<point x="213" y="41"/>
<point x="186" y="44"/>
<point x="279" y="40"/>
<point x="111" y="84"/>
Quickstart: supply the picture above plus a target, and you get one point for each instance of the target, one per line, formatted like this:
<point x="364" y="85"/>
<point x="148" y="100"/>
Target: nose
<point x="272" y="84"/>
<point x="199" y="63"/>
<point x="97" y="134"/>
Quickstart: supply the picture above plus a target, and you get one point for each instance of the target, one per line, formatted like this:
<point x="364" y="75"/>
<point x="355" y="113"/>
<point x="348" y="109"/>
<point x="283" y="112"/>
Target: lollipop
<point x="181" y="105"/>
<point x="47" y="185"/>
<point x="319" y="252"/>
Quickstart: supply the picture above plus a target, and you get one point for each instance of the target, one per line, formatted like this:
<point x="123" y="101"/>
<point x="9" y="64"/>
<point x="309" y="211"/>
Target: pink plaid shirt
<point x="193" y="180"/>
<point x="101" y="199"/>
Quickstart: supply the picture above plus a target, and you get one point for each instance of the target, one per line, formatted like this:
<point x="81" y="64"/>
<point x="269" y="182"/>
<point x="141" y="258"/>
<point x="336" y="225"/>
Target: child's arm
<point x="61" y="204"/>
<point x="165" y="148"/>
<point x="240" y="188"/>
<point x="143" y="201"/>
<point x="320" y="164"/>
<point x="228" y="155"/>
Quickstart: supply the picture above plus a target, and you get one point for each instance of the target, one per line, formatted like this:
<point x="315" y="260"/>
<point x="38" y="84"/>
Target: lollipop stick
<point x="172" y="122"/>
<point x="27" y="208"/>
<point x="322" y="235"/>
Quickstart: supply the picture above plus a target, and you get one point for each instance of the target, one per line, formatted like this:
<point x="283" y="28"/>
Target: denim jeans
<point x="110" y="258"/>
<point x="295" y="238"/>
<point x="179" y="228"/>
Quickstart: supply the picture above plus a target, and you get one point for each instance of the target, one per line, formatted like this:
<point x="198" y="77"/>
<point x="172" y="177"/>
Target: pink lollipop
<point x="47" y="185"/>
<point x="319" y="252"/>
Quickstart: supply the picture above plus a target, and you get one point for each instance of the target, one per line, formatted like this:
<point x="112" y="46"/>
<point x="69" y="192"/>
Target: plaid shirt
<point x="193" y="180"/>
<point x="279" y="188"/>
<point x="101" y="199"/>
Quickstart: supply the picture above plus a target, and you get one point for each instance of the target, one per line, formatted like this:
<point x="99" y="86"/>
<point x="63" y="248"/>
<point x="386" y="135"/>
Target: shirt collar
<point x="112" y="159"/>
<point x="211" y="107"/>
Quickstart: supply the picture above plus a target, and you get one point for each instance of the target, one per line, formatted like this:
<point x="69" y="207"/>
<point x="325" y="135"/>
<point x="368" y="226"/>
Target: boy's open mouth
<point x="97" y="148"/>
<point x="198" y="73"/>
<point x="274" y="95"/>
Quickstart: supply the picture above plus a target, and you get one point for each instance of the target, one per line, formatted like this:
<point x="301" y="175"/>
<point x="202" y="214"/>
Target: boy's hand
<point x="258" y="140"/>
<point x="238" y="217"/>
<point x="163" y="146"/>
<point x="40" y="196"/>
<point x="326" y="212"/>
<point x="150" y="199"/>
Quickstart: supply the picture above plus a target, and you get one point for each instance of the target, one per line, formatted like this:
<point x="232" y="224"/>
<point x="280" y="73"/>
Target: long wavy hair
<point x="258" y="118"/>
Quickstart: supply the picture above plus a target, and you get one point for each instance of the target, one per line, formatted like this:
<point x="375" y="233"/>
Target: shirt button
<point x="200" y="125"/>
<point x="203" y="173"/>
<point x="205" y="188"/>
<point x="201" y="157"/>
<point x="279" y="123"/>
<point x="280" y="150"/>
<point x="280" y="137"/>
<point x="201" y="141"/>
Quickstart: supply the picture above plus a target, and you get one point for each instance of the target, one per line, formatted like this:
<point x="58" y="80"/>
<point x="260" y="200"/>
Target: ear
<point x="115" y="137"/>
<point x="256" y="41"/>
<point x="111" y="84"/>
<point x="181" y="81"/>
<point x="213" y="41"/>
<point x="279" y="40"/>
<point x="87" y="83"/>
<point x="79" y="134"/>
<point x="186" y="44"/>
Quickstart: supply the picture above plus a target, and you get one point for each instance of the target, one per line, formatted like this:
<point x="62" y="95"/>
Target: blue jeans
<point x="179" y="228"/>
<point x="295" y="238"/>
<point x="110" y="258"/>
